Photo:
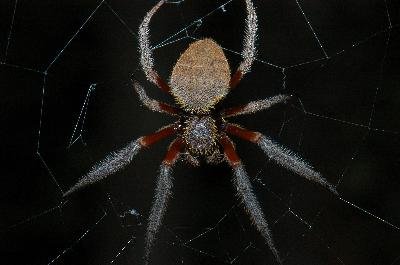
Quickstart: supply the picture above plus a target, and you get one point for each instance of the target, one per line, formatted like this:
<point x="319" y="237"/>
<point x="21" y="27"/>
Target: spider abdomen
<point x="201" y="76"/>
<point x="200" y="134"/>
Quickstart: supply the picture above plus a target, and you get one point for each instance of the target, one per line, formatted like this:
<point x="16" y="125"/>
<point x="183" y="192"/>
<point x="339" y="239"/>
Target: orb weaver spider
<point x="200" y="79"/>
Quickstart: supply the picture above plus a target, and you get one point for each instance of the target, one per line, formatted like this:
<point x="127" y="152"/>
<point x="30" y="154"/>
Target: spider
<point x="200" y="79"/>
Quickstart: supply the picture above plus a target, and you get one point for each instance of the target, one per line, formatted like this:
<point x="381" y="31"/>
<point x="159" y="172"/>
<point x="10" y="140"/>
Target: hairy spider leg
<point x="146" y="54"/>
<point x="249" y="48"/>
<point x="281" y="155"/>
<point x="255" y="106"/>
<point x="248" y="52"/>
<point x="121" y="158"/>
<point x="245" y="192"/>
<point x="153" y="104"/>
<point x="161" y="197"/>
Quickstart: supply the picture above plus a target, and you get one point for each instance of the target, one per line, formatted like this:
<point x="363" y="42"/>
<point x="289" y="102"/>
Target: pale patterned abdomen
<point x="201" y="76"/>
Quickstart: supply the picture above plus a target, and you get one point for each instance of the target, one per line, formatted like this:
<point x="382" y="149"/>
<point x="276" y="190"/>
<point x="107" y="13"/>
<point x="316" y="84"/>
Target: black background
<point x="357" y="85"/>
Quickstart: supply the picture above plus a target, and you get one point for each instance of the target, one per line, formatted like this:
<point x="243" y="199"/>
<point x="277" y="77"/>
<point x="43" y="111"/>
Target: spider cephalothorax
<point x="200" y="135"/>
<point x="200" y="79"/>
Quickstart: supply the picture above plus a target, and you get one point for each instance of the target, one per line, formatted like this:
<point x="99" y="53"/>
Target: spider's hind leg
<point x="162" y="195"/>
<point x="281" y="155"/>
<point x="245" y="192"/>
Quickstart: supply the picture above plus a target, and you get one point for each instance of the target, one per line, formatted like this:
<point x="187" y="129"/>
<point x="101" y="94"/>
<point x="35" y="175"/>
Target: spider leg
<point x="121" y="158"/>
<point x="153" y="104"/>
<point x="245" y="192"/>
<point x="281" y="155"/>
<point x="146" y="58"/>
<point x="255" y="106"/>
<point x="249" y="48"/>
<point x="162" y="194"/>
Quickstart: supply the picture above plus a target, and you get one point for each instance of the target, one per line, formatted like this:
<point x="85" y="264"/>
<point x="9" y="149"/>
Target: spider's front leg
<point x="146" y="53"/>
<point x="249" y="47"/>
<point x="162" y="194"/>
<point x="121" y="158"/>
<point x="280" y="155"/>
<point x="245" y="192"/>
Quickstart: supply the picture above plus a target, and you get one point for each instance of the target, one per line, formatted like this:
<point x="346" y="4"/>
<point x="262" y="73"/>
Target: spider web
<point x="65" y="74"/>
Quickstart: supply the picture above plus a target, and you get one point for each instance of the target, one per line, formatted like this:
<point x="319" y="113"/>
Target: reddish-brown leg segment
<point x="162" y="84"/>
<point x="233" y="111"/>
<point x="164" y="132"/>
<point x="243" y="133"/>
<point x="168" y="108"/>
<point x="235" y="79"/>
<point x="229" y="150"/>
<point x="173" y="152"/>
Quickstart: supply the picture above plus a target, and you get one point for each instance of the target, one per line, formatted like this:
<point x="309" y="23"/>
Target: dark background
<point x="344" y="119"/>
